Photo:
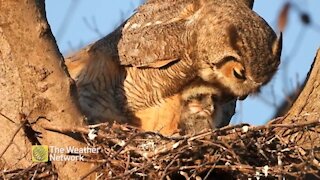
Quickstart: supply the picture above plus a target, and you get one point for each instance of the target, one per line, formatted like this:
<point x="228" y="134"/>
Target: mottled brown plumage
<point x="165" y="46"/>
<point x="203" y="107"/>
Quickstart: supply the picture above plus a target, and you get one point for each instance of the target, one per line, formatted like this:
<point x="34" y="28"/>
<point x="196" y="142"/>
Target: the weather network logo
<point x="44" y="153"/>
<point x="40" y="153"/>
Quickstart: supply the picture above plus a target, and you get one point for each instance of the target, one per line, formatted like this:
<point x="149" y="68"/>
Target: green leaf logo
<point x="40" y="153"/>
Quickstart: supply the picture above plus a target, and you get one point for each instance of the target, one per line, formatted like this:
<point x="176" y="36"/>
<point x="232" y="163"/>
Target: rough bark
<point x="33" y="84"/>
<point x="305" y="109"/>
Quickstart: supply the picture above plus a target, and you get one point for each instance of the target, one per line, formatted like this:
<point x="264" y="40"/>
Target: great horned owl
<point x="202" y="108"/>
<point x="226" y="41"/>
<point x="168" y="44"/>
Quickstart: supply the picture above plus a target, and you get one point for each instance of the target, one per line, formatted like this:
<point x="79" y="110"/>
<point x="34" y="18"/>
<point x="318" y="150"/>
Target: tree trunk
<point x="34" y="84"/>
<point x="306" y="109"/>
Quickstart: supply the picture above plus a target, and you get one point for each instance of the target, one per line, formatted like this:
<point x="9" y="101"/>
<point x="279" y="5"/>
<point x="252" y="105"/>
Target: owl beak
<point x="257" y="84"/>
<point x="253" y="82"/>
<point x="242" y="97"/>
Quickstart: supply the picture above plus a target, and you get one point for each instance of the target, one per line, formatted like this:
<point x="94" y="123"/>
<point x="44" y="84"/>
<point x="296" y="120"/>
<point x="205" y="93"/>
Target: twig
<point x="7" y="118"/>
<point x="11" y="140"/>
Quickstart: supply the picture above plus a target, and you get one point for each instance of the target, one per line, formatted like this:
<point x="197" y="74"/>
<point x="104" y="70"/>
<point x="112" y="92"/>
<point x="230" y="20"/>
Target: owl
<point x="202" y="108"/>
<point x="144" y="66"/>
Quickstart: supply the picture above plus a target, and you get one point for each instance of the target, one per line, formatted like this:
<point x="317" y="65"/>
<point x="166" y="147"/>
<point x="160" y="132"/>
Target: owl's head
<point x="235" y="48"/>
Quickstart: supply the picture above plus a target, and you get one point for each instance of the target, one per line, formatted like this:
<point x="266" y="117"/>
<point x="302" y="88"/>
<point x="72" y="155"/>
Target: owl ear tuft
<point x="277" y="46"/>
<point x="249" y="3"/>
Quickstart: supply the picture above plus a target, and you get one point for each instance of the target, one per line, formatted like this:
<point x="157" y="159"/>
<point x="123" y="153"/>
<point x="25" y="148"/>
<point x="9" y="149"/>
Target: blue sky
<point x="77" y="23"/>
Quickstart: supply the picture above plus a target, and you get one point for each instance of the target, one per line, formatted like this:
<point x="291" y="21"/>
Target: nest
<point x="233" y="152"/>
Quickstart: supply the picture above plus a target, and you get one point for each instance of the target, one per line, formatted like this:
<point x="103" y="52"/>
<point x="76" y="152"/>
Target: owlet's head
<point x="235" y="48"/>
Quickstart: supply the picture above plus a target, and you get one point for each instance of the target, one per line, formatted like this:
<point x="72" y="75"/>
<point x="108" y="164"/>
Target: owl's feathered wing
<point x="156" y="34"/>
<point x="160" y="32"/>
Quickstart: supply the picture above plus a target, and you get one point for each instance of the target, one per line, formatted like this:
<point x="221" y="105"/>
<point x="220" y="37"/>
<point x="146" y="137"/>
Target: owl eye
<point x="228" y="59"/>
<point x="239" y="73"/>
<point x="225" y="62"/>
